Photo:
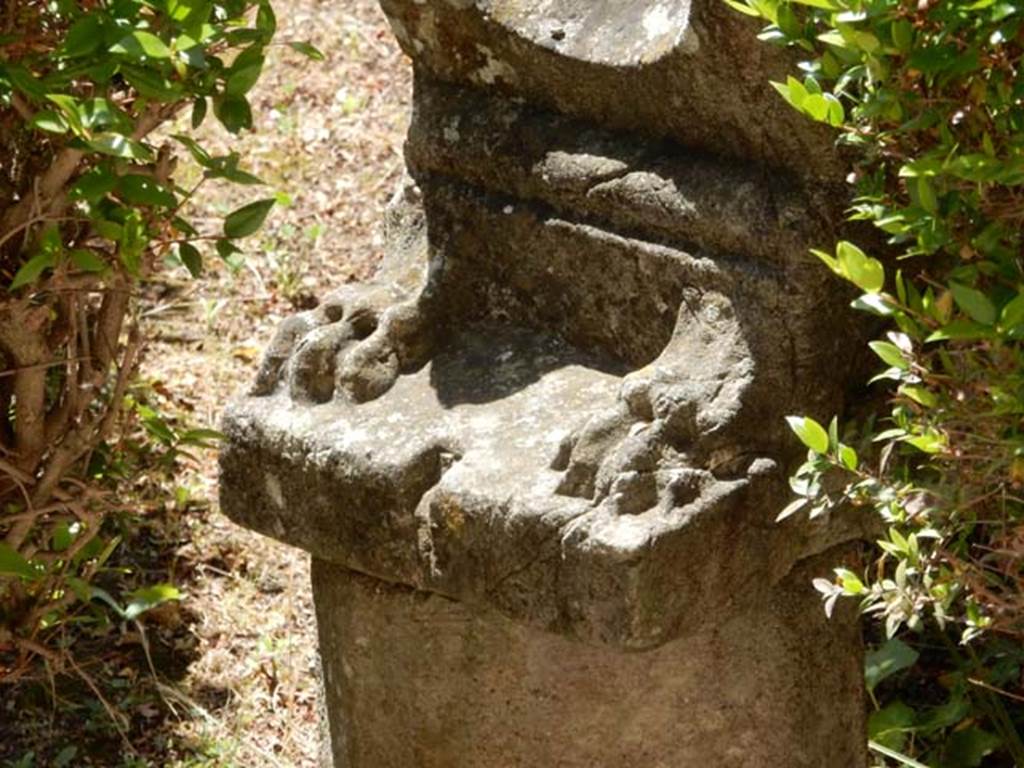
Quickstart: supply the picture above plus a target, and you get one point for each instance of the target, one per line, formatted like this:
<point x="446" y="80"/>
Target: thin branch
<point x="93" y="431"/>
<point x="49" y="185"/>
<point x="21" y="107"/>
<point x="38" y="366"/>
<point x="114" y="714"/>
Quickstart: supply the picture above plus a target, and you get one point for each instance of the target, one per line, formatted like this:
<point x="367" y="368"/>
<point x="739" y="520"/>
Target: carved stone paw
<point x="676" y="425"/>
<point x="352" y="346"/>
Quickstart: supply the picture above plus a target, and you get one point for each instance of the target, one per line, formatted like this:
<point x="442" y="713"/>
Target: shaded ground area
<point x="235" y="681"/>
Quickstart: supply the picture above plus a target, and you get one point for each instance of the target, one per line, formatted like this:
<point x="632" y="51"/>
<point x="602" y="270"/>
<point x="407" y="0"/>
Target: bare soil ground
<point x="328" y="134"/>
<point x="235" y="662"/>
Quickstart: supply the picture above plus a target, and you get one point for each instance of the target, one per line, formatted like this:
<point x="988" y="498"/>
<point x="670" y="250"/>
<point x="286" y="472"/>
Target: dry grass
<point x="236" y="661"/>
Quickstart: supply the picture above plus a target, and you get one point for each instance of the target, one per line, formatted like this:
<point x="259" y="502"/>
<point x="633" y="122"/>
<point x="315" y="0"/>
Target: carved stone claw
<point x="676" y="423"/>
<point x="354" y="345"/>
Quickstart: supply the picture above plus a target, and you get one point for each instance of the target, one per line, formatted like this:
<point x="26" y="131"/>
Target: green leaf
<point x="866" y="273"/>
<point x="62" y="537"/>
<point x="241" y="81"/>
<point x="147" y="598"/>
<point x="83" y="37"/>
<point x="203" y="437"/>
<point x="98" y="114"/>
<point x="244" y="72"/>
<point x="13" y="564"/>
<point x="874" y="303"/>
<point x="133" y="241"/>
<point x="969" y="747"/>
<point x="189" y="10"/>
<point x="849" y="581"/>
<point x="230" y="253"/>
<point x="191" y="258"/>
<point x="239" y="177"/>
<point x="926" y="195"/>
<point x="102" y="555"/>
<point x="828" y="5"/>
<point x="64" y="757"/>
<point x="71" y="111"/>
<point x="889" y="726"/>
<point x="234" y="113"/>
<point x="903" y="35"/>
<point x="238" y="37"/>
<point x="883" y="662"/>
<point x="866" y="41"/>
<point x="143" y="190"/>
<point x="25" y="81"/>
<point x="198" y="111"/>
<point x="793" y="91"/>
<point x="1013" y="313"/>
<point x="32" y="269"/>
<point x="103" y="596"/>
<point x="830" y="261"/>
<point x="88" y="261"/>
<point x="108" y="229"/>
<point x="962" y="330"/>
<point x="816" y="106"/>
<point x="919" y="394"/>
<point x="152" y="85"/>
<point x="890" y="354"/>
<point x="142" y="45"/>
<point x="227" y="168"/>
<point x="930" y="442"/>
<point x="94" y="185"/>
<point x="190" y="52"/>
<point x="848" y="456"/>
<point x="184" y="227"/>
<point x="975" y="303"/>
<point x="199" y="154"/>
<point x="743" y="8"/>
<point x="266" y="21"/>
<point x="836" y="113"/>
<point x="116" y="145"/>
<point x="49" y="121"/>
<point x="247" y="219"/>
<point x="156" y="425"/>
<point x="81" y="588"/>
<point x="889" y="434"/>
<point x="945" y="715"/>
<point x="312" y="52"/>
<point x="791" y="509"/>
<point x="810" y="432"/>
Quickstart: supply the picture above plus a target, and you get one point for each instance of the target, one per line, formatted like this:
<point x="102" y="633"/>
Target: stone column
<point x="538" y="459"/>
<point x="416" y="679"/>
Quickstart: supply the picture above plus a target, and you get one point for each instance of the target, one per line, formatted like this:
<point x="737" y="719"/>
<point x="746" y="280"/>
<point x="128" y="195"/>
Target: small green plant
<point x="89" y="211"/>
<point x="931" y="95"/>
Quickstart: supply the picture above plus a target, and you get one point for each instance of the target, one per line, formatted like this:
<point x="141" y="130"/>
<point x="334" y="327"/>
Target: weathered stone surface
<point x="690" y="71"/>
<point x="520" y="465"/>
<point x="517" y="469"/>
<point x="561" y="404"/>
<point x="762" y="689"/>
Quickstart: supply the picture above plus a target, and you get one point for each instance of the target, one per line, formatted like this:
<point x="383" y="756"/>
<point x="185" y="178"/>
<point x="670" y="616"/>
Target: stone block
<point x="421" y="680"/>
<point x="538" y="459"/>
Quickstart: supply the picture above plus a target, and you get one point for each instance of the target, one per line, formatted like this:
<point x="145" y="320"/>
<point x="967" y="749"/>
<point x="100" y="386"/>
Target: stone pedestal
<point x="414" y="679"/>
<point x="538" y="459"/>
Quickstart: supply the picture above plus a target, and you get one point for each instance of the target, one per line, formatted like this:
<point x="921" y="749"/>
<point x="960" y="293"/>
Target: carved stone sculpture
<point x="538" y="459"/>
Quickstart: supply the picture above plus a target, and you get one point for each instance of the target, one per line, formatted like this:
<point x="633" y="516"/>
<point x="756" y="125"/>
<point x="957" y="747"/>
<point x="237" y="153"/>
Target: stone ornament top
<point x="692" y="71"/>
<point x="563" y="395"/>
<point x="610" y="32"/>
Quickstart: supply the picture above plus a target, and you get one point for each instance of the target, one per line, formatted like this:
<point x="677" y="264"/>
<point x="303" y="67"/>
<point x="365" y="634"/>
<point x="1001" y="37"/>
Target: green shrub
<point x="931" y="95"/>
<point x="89" y="211"/>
